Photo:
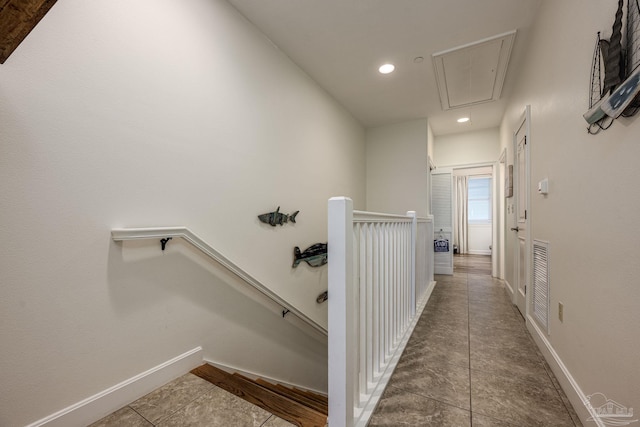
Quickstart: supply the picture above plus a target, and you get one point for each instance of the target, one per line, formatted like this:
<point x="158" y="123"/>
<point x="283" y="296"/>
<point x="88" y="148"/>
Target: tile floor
<point x="191" y="401"/>
<point x="471" y="362"/>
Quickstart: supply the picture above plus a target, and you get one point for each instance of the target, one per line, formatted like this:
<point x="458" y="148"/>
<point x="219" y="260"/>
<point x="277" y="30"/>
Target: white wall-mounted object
<point x="543" y="186"/>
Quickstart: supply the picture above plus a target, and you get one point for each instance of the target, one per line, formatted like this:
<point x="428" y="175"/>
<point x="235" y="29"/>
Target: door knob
<point x="515" y="228"/>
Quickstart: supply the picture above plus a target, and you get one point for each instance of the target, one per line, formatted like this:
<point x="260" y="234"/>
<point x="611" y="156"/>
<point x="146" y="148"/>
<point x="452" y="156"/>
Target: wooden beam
<point x="17" y="19"/>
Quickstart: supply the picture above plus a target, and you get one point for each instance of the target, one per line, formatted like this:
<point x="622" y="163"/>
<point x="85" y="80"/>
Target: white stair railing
<point x="379" y="282"/>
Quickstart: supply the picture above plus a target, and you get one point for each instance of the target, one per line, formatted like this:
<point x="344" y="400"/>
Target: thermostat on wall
<point x="543" y="186"/>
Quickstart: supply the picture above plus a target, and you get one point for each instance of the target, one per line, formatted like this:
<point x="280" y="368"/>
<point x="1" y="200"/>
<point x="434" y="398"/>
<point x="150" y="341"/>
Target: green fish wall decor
<point x="315" y="255"/>
<point x="275" y="218"/>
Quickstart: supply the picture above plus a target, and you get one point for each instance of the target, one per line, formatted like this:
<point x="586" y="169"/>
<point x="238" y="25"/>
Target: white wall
<point x="397" y="168"/>
<point x="157" y="113"/>
<point x="589" y="216"/>
<point x="479" y="239"/>
<point x="430" y="142"/>
<point x="482" y="146"/>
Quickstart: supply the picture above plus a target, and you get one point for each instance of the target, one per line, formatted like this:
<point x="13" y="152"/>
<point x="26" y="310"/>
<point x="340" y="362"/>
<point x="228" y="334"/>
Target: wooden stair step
<point x="293" y="395"/>
<point x="282" y="406"/>
<point x="324" y="400"/>
<point x="306" y="398"/>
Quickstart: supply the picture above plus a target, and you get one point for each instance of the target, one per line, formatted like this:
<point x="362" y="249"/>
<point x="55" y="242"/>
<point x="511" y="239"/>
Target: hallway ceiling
<point x="341" y="44"/>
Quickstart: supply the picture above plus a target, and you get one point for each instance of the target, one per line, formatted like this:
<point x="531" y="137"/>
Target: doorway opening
<point x="473" y="211"/>
<point x="463" y="202"/>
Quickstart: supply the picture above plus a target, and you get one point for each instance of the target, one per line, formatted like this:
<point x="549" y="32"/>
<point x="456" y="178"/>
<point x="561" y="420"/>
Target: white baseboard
<point x="443" y="270"/>
<point x="479" y="252"/>
<point x="110" y="400"/>
<point x="253" y="375"/>
<point x="509" y="288"/>
<point x="427" y="294"/>
<point x="569" y="385"/>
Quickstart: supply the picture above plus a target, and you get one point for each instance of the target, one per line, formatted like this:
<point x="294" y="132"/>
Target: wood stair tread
<point x="306" y="398"/>
<point x="293" y="395"/>
<point x="278" y="404"/>
<point x="315" y="396"/>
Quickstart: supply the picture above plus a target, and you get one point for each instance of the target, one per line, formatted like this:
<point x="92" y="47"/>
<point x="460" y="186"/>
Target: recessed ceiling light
<point x="386" y="68"/>
<point x="463" y="119"/>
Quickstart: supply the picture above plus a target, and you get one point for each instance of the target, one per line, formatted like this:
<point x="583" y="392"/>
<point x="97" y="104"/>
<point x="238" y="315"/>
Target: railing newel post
<point x="341" y="311"/>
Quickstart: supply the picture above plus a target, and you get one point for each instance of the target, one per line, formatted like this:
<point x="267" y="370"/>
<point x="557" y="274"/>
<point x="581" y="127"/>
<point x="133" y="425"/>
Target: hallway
<point x="471" y="362"/>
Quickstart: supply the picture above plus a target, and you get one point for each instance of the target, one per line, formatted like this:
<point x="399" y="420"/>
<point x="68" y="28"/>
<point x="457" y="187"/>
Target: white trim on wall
<point x="569" y="385"/>
<point x="479" y="252"/>
<point x="500" y="230"/>
<point x="107" y="401"/>
<point x="255" y="375"/>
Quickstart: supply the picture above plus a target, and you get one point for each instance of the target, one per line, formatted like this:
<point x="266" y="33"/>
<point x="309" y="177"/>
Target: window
<point x="479" y="198"/>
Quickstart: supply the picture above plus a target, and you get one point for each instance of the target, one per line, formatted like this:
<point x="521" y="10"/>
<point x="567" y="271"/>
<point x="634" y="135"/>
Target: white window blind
<point x="479" y="200"/>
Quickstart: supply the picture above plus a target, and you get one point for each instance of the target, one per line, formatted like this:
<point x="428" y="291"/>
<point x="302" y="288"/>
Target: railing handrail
<point x="378" y="216"/>
<point x="122" y="234"/>
<point x="364" y="216"/>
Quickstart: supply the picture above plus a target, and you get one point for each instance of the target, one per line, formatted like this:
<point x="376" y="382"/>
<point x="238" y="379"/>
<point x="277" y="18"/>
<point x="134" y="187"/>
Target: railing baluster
<point x="369" y="310"/>
<point x="375" y="324"/>
<point x="386" y="295"/>
<point x="362" y="338"/>
<point x="394" y="286"/>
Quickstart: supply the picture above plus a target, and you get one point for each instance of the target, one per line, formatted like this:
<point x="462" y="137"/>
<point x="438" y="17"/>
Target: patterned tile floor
<point x="191" y="401"/>
<point x="471" y="362"/>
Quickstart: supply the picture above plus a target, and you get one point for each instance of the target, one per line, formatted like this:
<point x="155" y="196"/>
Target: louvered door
<point x="442" y="198"/>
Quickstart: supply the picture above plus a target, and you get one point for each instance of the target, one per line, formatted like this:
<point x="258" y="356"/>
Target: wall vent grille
<point x="541" y="295"/>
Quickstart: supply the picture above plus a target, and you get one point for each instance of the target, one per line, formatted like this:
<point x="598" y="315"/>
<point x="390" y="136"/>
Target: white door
<point x="442" y="205"/>
<point x="522" y="213"/>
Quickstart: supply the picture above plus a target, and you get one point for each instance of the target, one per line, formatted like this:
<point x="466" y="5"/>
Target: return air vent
<point x="473" y="73"/>
<point x="541" y="297"/>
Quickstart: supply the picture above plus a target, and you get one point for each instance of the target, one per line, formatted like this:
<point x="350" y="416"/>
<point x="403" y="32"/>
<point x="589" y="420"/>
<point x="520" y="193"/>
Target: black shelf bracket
<point x="164" y="242"/>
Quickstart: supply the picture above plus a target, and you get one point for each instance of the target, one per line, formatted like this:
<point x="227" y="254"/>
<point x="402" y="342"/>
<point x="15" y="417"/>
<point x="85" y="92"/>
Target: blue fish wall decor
<point x="275" y="218"/>
<point x="315" y="255"/>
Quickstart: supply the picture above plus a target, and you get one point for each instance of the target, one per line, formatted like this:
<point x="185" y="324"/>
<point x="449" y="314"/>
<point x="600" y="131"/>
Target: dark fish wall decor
<point x="274" y="218"/>
<point x="322" y="297"/>
<point x="315" y="255"/>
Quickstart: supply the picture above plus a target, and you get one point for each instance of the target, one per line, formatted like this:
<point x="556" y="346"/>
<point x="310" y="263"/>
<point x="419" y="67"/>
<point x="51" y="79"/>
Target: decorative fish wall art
<point x="275" y="218"/>
<point x="322" y="297"/>
<point x="314" y="255"/>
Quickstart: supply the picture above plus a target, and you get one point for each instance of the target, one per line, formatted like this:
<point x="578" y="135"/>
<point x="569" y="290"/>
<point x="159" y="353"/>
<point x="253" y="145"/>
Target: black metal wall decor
<point x="314" y="255"/>
<point x="277" y="218"/>
<point x="163" y="242"/>
<point x="616" y="92"/>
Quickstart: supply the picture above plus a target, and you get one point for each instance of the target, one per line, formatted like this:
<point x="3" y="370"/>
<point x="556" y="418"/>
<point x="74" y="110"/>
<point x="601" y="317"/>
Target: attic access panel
<point x="473" y="73"/>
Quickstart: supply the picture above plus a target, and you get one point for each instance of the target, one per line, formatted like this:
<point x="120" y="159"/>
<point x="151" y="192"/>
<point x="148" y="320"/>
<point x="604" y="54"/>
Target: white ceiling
<point x="341" y="44"/>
